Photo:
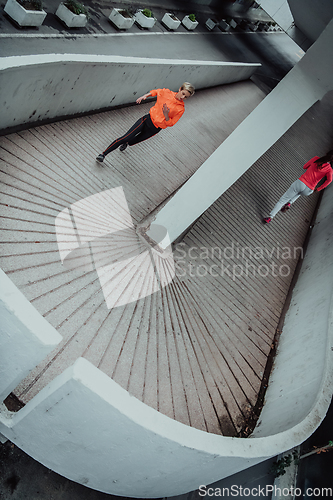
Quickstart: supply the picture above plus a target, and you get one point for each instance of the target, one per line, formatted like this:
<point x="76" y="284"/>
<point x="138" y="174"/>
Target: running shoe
<point x="100" y="158"/>
<point x="267" y="220"/>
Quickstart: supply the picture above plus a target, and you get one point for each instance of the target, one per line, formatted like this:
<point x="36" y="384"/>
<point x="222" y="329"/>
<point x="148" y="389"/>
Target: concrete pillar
<point x="306" y="83"/>
<point x="278" y="10"/>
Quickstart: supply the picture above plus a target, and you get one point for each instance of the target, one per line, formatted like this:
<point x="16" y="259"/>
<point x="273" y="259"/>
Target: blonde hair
<point x="189" y="87"/>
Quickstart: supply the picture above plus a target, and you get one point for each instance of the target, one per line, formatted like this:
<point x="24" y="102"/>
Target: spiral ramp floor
<point x="195" y="349"/>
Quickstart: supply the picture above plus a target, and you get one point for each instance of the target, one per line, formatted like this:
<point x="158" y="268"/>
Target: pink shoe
<point x="285" y="207"/>
<point x="266" y="220"/>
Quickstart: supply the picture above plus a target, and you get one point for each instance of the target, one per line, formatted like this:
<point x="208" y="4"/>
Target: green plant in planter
<point x="192" y="17"/>
<point x="147" y="13"/>
<point x="31" y="4"/>
<point x="76" y="7"/>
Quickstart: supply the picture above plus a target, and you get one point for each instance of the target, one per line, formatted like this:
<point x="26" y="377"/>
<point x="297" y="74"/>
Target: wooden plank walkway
<point x="196" y="350"/>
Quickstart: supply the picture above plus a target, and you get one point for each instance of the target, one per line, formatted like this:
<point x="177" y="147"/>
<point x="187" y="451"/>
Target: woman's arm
<point x="142" y="98"/>
<point x="166" y="112"/>
<point x="309" y="163"/>
<point x="171" y="121"/>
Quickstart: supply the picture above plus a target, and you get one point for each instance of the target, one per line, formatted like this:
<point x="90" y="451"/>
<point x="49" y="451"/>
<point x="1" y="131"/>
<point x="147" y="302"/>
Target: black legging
<point x="141" y="130"/>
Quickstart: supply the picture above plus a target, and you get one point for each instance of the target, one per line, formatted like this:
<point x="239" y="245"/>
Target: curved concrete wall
<point x="25" y="336"/>
<point x="40" y="87"/>
<point x="102" y="437"/>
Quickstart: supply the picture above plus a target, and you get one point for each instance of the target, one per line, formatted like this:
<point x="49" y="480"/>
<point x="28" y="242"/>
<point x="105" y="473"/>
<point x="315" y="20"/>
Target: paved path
<point x="195" y="351"/>
<point x="54" y="166"/>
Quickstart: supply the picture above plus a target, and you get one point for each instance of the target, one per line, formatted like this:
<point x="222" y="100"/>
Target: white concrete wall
<point x="87" y="428"/>
<point x="278" y="10"/>
<point x="302" y="372"/>
<point x="306" y="83"/>
<point x="39" y="87"/>
<point x="25" y="336"/>
<point x="311" y="17"/>
<point x="303" y="20"/>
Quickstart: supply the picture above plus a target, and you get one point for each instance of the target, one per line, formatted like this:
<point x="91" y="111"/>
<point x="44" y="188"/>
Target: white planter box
<point x="170" y="21"/>
<point x="70" y="19"/>
<point x="190" y="25"/>
<point x="224" y="25"/>
<point x="210" y="24"/>
<point x="22" y="16"/>
<point x="121" y="19"/>
<point x="252" y="26"/>
<point x="144" y="21"/>
<point x="262" y="27"/>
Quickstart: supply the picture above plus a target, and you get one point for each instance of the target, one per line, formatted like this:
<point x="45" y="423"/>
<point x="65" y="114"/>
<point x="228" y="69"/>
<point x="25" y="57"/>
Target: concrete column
<point x="306" y="83"/>
<point x="278" y="10"/>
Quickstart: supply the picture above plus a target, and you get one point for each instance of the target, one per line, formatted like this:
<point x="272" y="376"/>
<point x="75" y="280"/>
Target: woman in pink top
<point x="316" y="169"/>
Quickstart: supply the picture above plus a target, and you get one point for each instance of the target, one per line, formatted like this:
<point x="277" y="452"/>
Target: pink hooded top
<point x="313" y="174"/>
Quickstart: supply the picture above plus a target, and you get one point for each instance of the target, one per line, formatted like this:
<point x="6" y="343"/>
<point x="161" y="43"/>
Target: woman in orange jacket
<point x="316" y="169"/>
<point x="169" y="107"/>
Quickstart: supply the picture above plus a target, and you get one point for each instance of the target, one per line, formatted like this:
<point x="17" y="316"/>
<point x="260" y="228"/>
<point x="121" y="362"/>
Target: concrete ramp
<point x="155" y="344"/>
<point x="168" y="382"/>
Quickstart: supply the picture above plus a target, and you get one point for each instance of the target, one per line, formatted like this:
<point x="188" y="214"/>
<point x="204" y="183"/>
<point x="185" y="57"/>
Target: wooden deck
<point x="197" y="349"/>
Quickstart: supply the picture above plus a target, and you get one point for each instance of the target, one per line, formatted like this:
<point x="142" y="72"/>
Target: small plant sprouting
<point x="147" y="12"/>
<point x="192" y="17"/>
<point x="76" y="7"/>
<point x="279" y="467"/>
